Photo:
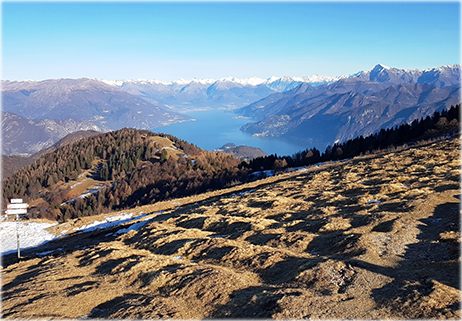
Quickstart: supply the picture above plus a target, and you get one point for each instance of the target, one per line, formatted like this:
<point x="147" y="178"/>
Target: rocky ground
<point x="372" y="237"/>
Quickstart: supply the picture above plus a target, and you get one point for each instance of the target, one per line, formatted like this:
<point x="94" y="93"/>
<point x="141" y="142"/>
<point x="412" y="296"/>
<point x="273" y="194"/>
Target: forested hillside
<point x="129" y="167"/>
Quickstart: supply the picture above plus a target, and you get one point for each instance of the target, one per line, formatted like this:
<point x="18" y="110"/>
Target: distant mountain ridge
<point x="225" y="93"/>
<point x="252" y="81"/>
<point x="441" y="77"/>
<point x="85" y="100"/>
<point x="358" y="105"/>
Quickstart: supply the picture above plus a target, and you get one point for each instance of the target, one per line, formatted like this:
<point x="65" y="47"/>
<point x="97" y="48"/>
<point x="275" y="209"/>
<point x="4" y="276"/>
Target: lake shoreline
<point x="211" y="129"/>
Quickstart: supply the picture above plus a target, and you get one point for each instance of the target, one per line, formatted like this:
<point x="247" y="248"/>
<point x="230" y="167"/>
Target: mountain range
<point x="36" y="114"/>
<point x="359" y="105"/>
<point x="320" y="110"/>
<point x="224" y="93"/>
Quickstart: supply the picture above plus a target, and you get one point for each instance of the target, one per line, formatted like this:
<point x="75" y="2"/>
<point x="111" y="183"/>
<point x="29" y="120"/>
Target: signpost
<point x="17" y="207"/>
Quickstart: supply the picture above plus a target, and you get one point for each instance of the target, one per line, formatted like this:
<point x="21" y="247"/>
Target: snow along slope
<point x="32" y="234"/>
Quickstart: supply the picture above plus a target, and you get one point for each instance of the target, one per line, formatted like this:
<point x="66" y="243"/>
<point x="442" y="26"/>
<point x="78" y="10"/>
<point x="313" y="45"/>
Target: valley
<point x="372" y="237"/>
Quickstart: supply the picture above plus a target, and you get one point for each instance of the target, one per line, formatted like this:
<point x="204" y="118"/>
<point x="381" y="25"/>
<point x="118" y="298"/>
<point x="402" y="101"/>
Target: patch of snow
<point x="110" y="221"/>
<point x="134" y="227"/>
<point x="44" y="253"/>
<point x="31" y="234"/>
<point x="241" y="193"/>
<point x="246" y="192"/>
<point x="114" y="83"/>
<point x="78" y="183"/>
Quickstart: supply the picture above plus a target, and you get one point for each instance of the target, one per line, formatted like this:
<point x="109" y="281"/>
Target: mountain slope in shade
<point x="84" y="100"/>
<point x="23" y="136"/>
<point x="69" y="139"/>
<point x="360" y="105"/>
<point x="11" y="164"/>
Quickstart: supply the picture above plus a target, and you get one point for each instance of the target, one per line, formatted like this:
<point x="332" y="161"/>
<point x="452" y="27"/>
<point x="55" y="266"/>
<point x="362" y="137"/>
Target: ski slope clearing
<point x="375" y="237"/>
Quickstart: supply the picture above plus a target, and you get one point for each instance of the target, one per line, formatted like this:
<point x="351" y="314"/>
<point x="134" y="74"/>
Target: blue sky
<point x="172" y="40"/>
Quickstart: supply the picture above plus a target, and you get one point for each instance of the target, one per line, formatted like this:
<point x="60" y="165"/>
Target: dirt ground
<point x="370" y="238"/>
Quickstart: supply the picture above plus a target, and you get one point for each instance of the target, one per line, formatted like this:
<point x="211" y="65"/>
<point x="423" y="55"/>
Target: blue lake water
<point x="213" y="129"/>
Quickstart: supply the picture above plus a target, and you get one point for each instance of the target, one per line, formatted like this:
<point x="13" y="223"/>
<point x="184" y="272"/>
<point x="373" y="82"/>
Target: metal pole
<point x="17" y="235"/>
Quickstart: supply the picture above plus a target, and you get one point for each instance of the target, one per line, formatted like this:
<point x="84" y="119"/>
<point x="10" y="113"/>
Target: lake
<point x="213" y="129"/>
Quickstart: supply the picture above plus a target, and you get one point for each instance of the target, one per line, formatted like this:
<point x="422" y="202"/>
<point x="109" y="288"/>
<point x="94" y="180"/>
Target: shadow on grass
<point x="258" y="302"/>
<point x="431" y="258"/>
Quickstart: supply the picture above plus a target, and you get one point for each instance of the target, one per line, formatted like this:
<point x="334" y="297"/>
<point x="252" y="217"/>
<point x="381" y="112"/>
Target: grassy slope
<point x="372" y="237"/>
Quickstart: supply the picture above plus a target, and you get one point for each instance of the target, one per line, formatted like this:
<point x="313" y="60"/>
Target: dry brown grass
<point x="373" y="237"/>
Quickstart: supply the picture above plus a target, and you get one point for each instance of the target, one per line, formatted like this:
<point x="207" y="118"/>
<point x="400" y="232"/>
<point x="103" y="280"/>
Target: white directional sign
<point x="17" y="205"/>
<point x="16" y="200"/>
<point x="16" y="211"/>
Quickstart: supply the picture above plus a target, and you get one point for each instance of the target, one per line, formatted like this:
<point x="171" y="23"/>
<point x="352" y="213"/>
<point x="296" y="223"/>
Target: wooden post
<point x="17" y="236"/>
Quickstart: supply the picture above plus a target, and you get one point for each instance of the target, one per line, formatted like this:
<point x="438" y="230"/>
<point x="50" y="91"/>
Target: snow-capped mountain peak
<point x="253" y="81"/>
<point x="381" y="66"/>
<point x="113" y="83"/>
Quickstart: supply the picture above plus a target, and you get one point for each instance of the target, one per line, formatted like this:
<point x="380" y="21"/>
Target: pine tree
<point x="104" y="173"/>
<point x="163" y="156"/>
